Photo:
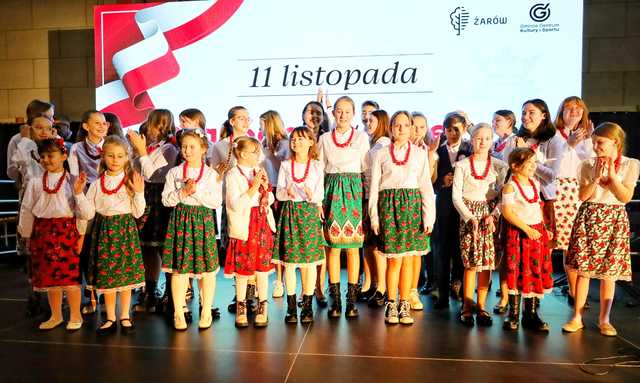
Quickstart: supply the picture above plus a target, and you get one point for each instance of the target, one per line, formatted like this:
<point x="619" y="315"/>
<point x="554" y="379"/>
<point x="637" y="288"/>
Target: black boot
<point x="364" y="296"/>
<point x="306" y="314"/>
<point x="336" y="300"/>
<point x="512" y="322"/>
<point x="292" y="310"/>
<point x="232" y="306"/>
<point x="351" y="311"/>
<point x="530" y="318"/>
<point x="251" y="299"/>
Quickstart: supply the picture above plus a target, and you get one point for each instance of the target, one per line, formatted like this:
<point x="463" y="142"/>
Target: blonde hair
<point x="114" y="140"/>
<point x="612" y="131"/>
<point x="273" y="129"/>
<point x="481" y="125"/>
<point x="199" y="135"/>
<point x="307" y="133"/>
<point x="242" y="144"/>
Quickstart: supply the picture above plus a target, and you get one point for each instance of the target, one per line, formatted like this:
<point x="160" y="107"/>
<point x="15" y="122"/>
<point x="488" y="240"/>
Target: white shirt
<point x="453" y="152"/>
<point x="382" y="142"/>
<point x="111" y="204"/>
<point x="350" y="159"/>
<point x="155" y="165"/>
<point x="36" y="203"/>
<point x="12" y="168"/>
<point x="208" y="189"/>
<point x="529" y="212"/>
<point x="314" y="181"/>
<point x="273" y="160"/>
<point x="465" y="186"/>
<point x="414" y="174"/>
<point x="569" y="164"/>
<point x="79" y="159"/>
<point x="627" y="173"/>
<point x="548" y="155"/>
<point x="26" y="161"/>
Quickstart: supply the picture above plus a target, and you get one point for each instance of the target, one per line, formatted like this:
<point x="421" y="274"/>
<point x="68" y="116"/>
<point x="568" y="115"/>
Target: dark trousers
<point x="446" y="250"/>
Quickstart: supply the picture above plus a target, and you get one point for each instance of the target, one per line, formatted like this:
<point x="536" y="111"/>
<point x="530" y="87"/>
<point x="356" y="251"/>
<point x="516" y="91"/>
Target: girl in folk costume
<point x="374" y="287"/>
<point x="402" y="211"/>
<point x="193" y="189"/>
<point x="276" y="148"/>
<point x="477" y="181"/>
<point x="343" y="153"/>
<point x="48" y="214"/>
<point x="115" y="262"/>
<point x="299" y="242"/>
<point x="574" y="127"/>
<point x="503" y="123"/>
<point x="599" y="245"/>
<point x="193" y="118"/>
<point x="527" y="256"/>
<point x="156" y="155"/>
<point x="25" y="159"/>
<point x="251" y="223"/>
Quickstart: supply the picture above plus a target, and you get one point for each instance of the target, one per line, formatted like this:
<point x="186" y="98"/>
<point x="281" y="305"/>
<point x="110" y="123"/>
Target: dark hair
<point x="62" y="125"/>
<point x="50" y="145"/>
<point x="304" y="131"/>
<point x="37" y="108"/>
<point x="509" y="115"/>
<point x="546" y="130"/>
<point x="162" y="119"/>
<point x="197" y="133"/>
<point x="454" y="118"/>
<point x="370" y="103"/>
<point x="324" y="124"/>
<point x="194" y="114"/>
<point x="519" y="156"/>
<point x="86" y="116"/>
<point x="115" y="126"/>
<point x="227" y="129"/>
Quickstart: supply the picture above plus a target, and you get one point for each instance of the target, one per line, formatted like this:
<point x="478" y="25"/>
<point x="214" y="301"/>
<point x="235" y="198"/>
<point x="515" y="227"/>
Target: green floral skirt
<point x="343" y="210"/>
<point x="401" y="223"/>
<point x="299" y="239"/>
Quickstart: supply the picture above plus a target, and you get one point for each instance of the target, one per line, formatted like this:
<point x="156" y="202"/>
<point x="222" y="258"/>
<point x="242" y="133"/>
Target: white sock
<point x="241" y="288"/>
<point x="262" y="285"/>
<point x="208" y="291"/>
<point x="290" y="278"/>
<point x="309" y="284"/>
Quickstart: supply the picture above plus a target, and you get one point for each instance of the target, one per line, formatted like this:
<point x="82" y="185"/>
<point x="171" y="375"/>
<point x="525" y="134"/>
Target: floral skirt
<point x="477" y="253"/>
<point x="401" y="223"/>
<point x="190" y="247"/>
<point x="343" y="210"/>
<point x="153" y="224"/>
<point x="299" y="239"/>
<point x="565" y="208"/>
<point x="599" y="246"/>
<point x="254" y="254"/>
<point x="115" y="260"/>
<point x="55" y="263"/>
<point x="528" y="262"/>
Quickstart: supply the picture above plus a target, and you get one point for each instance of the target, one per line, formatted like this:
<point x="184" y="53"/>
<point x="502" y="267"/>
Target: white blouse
<point x="627" y="173"/>
<point x="548" y="155"/>
<point x="79" y="159"/>
<point x="414" y="174"/>
<point x="273" y="160"/>
<point x="36" y="203"/>
<point x="155" y="165"/>
<point x="382" y="142"/>
<point x="572" y="158"/>
<point x="314" y="181"/>
<point x="350" y="159"/>
<point x="27" y="160"/>
<point x="12" y="168"/>
<point x="208" y="189"/>
<point x="96" y="201"/>
<point x="465" y="186"/>
<point x="529" y="212"/>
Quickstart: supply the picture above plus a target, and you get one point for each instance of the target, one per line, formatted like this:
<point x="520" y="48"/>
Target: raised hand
<point x="138" y="141"/>
<point x="80" y="183"/>
<point x="308" y="192"/>
<point x="136" y="183"/>
<point x="290" y="192"/>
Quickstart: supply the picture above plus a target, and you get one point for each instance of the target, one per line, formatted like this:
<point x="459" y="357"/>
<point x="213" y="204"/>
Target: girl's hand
<point x="432" y="144"/>
<point x="188" y="188"/>
<point x="448" y="180"/>
<point x="321" y="212"/>
<point x="375" y="228"/>
<point x="475" y="228"/>
<point x="138" y="141"/>
<point x="308" y="192"/>
<point x="598" y="170"/>
<point x="427" y="230"/>
<point x="290" y="192"/>
<point x="320" y="95"/>
<point x="533" y="233"/>
<point x="521" y="143"/>
<point x="136" y="183"/>
<point x="80" y="183"/>
<point x="490" y="223"/>
<point x="612" y="168"/>
<point x="79" y="244"/>
<point x="25" y="131"/>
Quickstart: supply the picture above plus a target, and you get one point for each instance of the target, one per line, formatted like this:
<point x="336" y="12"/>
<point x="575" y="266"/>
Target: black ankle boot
<point x="336" y="300"/>
<point x="306" y="314"/>
<point x="292" y="310"/>
<point x="530" y="318"/>
<point x="512" y="322"/>
<point x="251" y="299"/>
<point x="352" y="294"/>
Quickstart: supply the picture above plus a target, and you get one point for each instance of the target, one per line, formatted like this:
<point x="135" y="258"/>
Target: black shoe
<point x="306" y="314"/>
<point x="497" y="309"/>
<point x="466" y="318"/>
<point x="512" y="322"/>
<point x="107" y="330"/>
<point x="335" y="310"/>
<point x="127" y="329"/>
<point x="321" y="300"/>
<point x="364" y="296"/>
<point x="426" y="289"/>
<point x="351" y="311"/>
<point x="292" y="310"/>
<point x="232" y="305"/>
<point x="441" y="305"/>
<point x="456" y="286"/>
<point x="215" y="313"/>
<point x="483" y="318"/>
<point x="377" y="300"/>
<point x="251" y="299"/>
<point x="530" y="318"/>
<point x="498" y="293"/>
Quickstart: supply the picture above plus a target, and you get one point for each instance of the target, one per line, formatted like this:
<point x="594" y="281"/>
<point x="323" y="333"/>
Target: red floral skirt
<point x="254" y="254"/>
<point x="55" y="262"/>
<point x="528" y="262"/>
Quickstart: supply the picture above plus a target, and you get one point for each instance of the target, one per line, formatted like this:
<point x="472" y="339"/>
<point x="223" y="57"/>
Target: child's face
<point x="343" y="114"/>
<point x="572" y="114"/>
<point x="401" y="128"/>
<point x="532" y="117"/>
<point x="366" y="112"/>
<point x="250" y="156"/>
<point x="419" y="129"/>
<point x="604" y="146"/>
<point x="241" y="121"/>
<point x="115" y="157"/>
<point x="482" y="140"/>
<point x="53" y="161"/>
<point x="187" y="123"/>
<point x="371" y="124"/>
<point x="192" y="149"/>
<point x="41" y="128"/>
<point x="313" y="116"/>
<point x="527" y="169"/>
<point x="454" y="133"/>
<point x="300" y="144"/>
<point x="501" y="125"/>
<point x="96" y="127"/>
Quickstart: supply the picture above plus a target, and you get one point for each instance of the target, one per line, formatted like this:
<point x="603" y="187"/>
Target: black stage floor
<point x="435" y="348"/>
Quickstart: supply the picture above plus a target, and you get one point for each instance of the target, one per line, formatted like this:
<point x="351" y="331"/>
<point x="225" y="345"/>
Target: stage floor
<point x="435" y="348"/>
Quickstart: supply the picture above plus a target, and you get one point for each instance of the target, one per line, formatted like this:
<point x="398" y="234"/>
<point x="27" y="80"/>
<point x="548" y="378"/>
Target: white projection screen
<point x="428" y="56"/>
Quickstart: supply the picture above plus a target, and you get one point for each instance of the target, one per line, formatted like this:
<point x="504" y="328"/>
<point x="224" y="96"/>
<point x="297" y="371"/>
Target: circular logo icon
<point x="540" y="12"/>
